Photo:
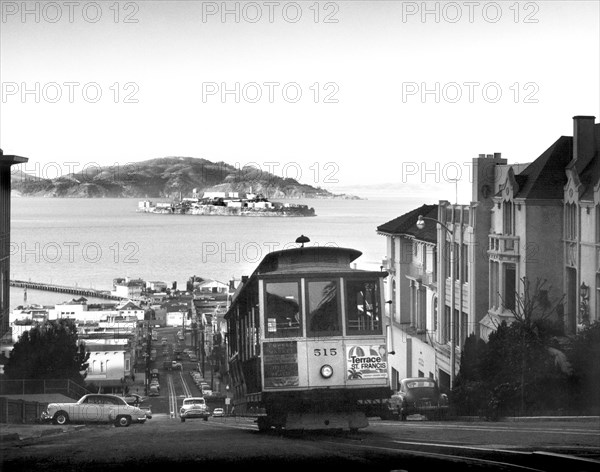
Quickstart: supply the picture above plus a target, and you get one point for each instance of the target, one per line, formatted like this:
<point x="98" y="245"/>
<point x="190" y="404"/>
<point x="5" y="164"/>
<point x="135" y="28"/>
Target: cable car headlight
<point x="326" y="371"/>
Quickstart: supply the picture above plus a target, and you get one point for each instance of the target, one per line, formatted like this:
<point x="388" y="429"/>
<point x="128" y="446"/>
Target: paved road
<point x="228" y="443"/>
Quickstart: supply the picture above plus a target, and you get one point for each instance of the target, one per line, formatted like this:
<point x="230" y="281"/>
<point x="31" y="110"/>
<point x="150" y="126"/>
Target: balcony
<point x="417" y="273"/>
<point x="503" y="247"/>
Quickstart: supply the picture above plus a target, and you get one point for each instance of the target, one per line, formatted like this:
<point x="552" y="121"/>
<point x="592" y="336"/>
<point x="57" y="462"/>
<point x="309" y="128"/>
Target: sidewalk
<point x="18" y="432"/>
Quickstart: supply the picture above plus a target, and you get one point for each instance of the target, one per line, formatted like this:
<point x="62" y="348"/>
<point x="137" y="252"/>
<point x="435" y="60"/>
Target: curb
<point x="33" y="433"/>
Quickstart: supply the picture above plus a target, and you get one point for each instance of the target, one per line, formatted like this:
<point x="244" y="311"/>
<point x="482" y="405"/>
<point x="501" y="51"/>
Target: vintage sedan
<point x="95" y="408"/>
<point x="193" y="407"/>
<point x="419" y="395"/>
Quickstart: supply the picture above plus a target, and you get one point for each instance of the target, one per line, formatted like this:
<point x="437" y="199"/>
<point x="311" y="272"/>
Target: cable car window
<point x="323" y="313"/>
<point x="364" y="313"/>
<point x="282" y="310"/>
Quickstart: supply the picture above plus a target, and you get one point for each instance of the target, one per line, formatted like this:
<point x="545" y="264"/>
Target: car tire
<point x="61" y="418"/>
<point x="123" y="421"/>
<point x="206" y="418"/>
<point x="183" y="420"/>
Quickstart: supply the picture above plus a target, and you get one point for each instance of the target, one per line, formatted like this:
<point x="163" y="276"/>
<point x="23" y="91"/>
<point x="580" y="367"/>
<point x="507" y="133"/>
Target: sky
<point x="379" y="97"/>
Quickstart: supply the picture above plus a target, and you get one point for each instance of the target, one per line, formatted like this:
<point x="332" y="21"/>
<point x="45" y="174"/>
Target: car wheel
<point x="123" y="421"/>
<point x="61" y="418"/>
<point x="183" y="420"/>
<point x="206" y="418"/>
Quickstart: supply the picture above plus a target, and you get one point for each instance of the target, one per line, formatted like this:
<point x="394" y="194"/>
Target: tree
<point x="584" y="356"/>
<point x="517" y="369"/>
<point x="49" y="350"/>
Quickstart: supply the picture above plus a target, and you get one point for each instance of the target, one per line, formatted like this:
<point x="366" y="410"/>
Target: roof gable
<point x="407" y="224"/>
<point x="545" y="177"/>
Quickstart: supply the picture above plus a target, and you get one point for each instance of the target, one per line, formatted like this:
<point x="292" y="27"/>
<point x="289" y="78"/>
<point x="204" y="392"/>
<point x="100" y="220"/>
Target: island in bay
<point x="226" y="204"/>
<point x="167" y="178"/>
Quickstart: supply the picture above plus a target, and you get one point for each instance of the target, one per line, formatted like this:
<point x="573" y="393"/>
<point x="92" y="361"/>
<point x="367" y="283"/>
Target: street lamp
<point x="421" y="224"/>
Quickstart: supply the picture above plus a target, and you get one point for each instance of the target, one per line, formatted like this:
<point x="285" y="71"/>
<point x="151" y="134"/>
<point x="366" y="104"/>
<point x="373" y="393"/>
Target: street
<point x="385" y="445"/>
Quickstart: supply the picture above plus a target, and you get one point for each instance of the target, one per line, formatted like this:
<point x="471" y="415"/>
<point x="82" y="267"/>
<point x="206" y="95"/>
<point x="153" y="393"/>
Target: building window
<point x="127" y="365"/>
<point x="421" y="309"/>
<point x="597" y="224"/>
<point x="101" y="366"/>
<point x="323" y="312"/>
<point x="465" y="263"/>
<point x="510" y="286"/>
<point x="446" y="326"/>
<point x="434" y="270"/>
<point x="364" y="314"/>
<point x="456" y="261"/>
<point x="447" y="256"/>
<point x="507" y="218"/>
<point x="392" y="252"/>
<point x="282" y="309"/>
<point x="394" y="305"/>
<point x="597" y="296"/>
<point x="494" y="281"/>
<point x="570" y="221"/>
<point x="435" y="313"/>
<point x="464" y="328"/>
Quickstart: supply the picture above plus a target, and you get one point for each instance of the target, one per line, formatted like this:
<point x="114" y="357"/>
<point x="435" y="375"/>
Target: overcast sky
<point x="329" y="92"/>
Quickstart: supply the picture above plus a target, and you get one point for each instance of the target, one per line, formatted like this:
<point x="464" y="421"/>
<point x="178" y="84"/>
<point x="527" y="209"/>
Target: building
<point x="128" y="288"/>
<point x="110" y="364"/>
<point x="411" y="288"/>
<point x="156" y="286"/>
<point x="6" y="162"/>
<point x="439" y="278"/>
<point x="545" y="227"/>
<point x="581" y="234"/>
<point x="130" y="309"/>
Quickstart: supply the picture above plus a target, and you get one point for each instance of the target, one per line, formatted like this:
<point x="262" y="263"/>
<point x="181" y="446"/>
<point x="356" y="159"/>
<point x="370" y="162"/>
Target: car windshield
<point x="194" y="401"/>
<point x="420" y="384"/>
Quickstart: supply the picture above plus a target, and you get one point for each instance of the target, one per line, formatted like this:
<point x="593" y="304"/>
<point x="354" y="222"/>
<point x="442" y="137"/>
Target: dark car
<point x="419" y="395"/>
<point x="134" y="399"/>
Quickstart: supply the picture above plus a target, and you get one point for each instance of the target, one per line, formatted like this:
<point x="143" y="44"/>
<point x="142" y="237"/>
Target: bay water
<point x="89" y="242"/>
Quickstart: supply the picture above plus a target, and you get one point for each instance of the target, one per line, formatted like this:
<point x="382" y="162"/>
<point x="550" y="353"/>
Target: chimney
<point x="584" y="141"/>
<point x="484" y="175"/>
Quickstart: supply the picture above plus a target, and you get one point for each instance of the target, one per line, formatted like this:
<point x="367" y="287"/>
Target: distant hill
<point x="166" y="177"/>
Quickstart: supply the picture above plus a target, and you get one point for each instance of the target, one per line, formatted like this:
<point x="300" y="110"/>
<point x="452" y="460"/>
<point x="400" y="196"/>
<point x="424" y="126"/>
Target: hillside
<point x="166" y="177"/>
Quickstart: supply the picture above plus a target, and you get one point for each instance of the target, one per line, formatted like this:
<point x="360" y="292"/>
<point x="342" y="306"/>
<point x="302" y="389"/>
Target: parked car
<point x="176" y="365"/>
<point x="154" y="390"/>
<point x="419" y="395"/>
<point x="218" y="412"/>
<point x="193" y="407"/>
<point x="134" y="399"/>
<point x="94" y="408"/>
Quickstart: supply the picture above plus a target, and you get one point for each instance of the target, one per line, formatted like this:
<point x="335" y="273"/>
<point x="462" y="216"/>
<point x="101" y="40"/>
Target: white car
<point x="194" y="407"/>
<point x="218" y="412"/>
<point x="95" y="408"/>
